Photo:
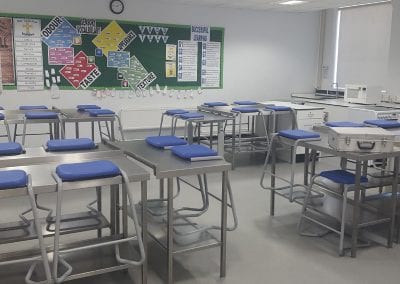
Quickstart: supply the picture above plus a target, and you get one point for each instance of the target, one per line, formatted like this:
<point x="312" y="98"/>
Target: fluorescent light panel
<point x="293" y="2"/>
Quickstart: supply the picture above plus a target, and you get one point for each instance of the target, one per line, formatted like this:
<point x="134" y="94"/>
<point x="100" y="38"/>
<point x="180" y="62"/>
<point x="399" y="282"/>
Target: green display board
<point x="97" y="54"/>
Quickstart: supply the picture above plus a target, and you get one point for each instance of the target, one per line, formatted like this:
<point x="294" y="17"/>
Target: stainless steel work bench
<point x="167" y="166"/>
<point x="40" y="164"/>
<point x="73" y="115"/>
<point x="361" y="166"/>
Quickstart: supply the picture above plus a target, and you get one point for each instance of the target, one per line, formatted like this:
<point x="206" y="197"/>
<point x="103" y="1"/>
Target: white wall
<point x="267" y="54"/>
<point x="392" y="85"/>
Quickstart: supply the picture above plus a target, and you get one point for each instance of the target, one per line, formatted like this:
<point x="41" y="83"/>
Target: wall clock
<point x="117" y="6"/>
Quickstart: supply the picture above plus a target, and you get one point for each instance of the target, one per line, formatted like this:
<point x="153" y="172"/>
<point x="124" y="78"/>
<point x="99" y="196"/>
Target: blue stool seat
<point x="277" y="108"/>
<point x="165" y="141"/>
<point x="32" y="107"/>
<point x="41" y="115"/>
<point x="70" y="144"/>
<point x="175" y="111"/>
<point x="342" y="177"/>
<point x="188" y="152"/>
<point x="85" y="107"/>
<point x="10" y="148"/>
<point x="214" y="104"/>
<point x="191" y="115"/>
<point x="87" y="170"/>
<point x="343" y="124"/>
<point x="2" y="116"/>
<point x="13" y="179"/>
<point x="298" y="134"/>
<point x="245" y="109"/>
<point x="386" y="124"/>
<point x="245" y="103"/>
<point x="1" y="108"/>
<point x="100" y="112"/>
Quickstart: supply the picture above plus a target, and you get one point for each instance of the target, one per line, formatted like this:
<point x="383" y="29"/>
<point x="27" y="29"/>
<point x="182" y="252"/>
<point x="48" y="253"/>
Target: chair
<point x="107" y="116"/>
<point x="39" y="117"/>
<point x="275" y="110"/>
<point x="173" y="113"/>
<point x="6" y="126"/>
<point x="100" y="172"/>
<point x="15" y="183"/>
<point x="250" y="112"/>
<point x="288" y="139"/>
<point x="343" y="181"/>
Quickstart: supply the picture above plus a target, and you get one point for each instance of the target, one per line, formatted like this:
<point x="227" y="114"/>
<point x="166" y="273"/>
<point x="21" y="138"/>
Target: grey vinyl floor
<point x="263" y="249"/>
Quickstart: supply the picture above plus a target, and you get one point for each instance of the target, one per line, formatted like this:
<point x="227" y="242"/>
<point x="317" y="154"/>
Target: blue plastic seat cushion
<point x="32" y="107"/>
<point x="214" y="104"/>
<point x="70" y="144"/>
<point x="13" y="179"/>
<point x="278" y="108"/>
<point x="245" y="109"/>
<point x="343" y="124"/>
<point x="41" y="115"/>
<point x="1" y="108"/>
<point x="165" y="141"/>
<point x="100" y="112"/>
<point x="298" y="134"/>
<point x="245" y="103"/>
<point x="342" y="177"/>
<point x="10" y="148"/>
<point x="85" y="107"/>
<point x="386" y="124"/>
<point x="188" y="152"/>
<point x="175" y="111"/>
<point x="2" y="116"/>
<point x="87" y="170"/>
<point x="192" y="115"/>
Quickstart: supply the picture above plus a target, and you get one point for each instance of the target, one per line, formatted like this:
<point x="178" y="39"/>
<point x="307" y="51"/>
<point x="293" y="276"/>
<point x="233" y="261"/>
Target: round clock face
<point x="116" y="6"/>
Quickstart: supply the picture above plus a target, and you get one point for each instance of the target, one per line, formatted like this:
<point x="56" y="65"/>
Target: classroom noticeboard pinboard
<point x="37" y="52"/>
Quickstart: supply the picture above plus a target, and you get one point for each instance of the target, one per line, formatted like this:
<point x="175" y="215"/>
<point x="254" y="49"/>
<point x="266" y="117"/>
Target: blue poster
<point x="59" y="33"/>
<point x="118" y="59"/>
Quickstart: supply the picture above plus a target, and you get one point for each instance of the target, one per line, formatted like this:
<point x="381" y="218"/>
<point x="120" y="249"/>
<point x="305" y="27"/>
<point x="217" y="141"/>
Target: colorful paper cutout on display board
<point x="81" y="73"/>
<point x="135" y="73"/>
<point x="118" y="59"/>
<point x="59" y="33"/>
<point x="109" y="38"/>
<point x="61" y="55"/>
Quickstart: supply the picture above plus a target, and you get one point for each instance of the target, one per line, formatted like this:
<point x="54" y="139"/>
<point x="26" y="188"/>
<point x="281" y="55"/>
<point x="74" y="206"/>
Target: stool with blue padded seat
<point x="251" y="113"/>
<point x="104" y="173"/>
<point x="189" y="118"/>
<point x="6" y="126"/>
<point x="165" y="142"/>
<point x="42" y="117"/>
<point x="343" y="124"/>
<point x="14" y="183"/>
<point x="173" y="113"/>
<point x="63" y="145"/>
<point x="86" y="107"/>
<point x="245" y="103"/>
<point x="26" y="108"/>
<point x="11" y="149"/>
<point x="383" y="123"/>
<point x="107" y="117"/>
<point x="288" y="139"/>
<point x="215" y="104"/>
<point x="275" y="110"/>
<point x="342" y="178"/>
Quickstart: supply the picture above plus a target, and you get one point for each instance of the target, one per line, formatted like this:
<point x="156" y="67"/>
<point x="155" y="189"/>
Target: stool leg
<point x="15" y="132"/>
<point x="7" y="130"/>
<point x="38" y="228"/>
<point x="161" y="123"/>
<point x="304" y="207"/>
<point x="343" y="221"/>
<point x="23" y="132"/>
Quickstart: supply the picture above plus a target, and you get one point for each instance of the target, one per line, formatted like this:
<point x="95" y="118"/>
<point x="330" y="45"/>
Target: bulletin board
<point x="38" y="52"/>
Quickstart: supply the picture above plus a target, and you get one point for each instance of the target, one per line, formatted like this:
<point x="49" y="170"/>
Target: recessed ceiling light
<point x="293" y="2"/>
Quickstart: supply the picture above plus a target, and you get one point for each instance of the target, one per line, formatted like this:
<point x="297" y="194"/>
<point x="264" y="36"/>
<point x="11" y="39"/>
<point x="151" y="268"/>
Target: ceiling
<point x="311" y="5"/>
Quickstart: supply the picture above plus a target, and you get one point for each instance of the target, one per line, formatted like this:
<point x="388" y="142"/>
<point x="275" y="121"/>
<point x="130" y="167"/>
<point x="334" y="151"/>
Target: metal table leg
<point x="224" y="209"/>
<point x="356" y="210"/>
<point x="99" y="207"/>
<point x="162" y="188"/>
<point x="313" y="162"/>
<point x="112" y="210"/>
<point x="92" y="126"/>
<point x="144" y="230"/>
<point x="76" y="130"/>
<point x="306" y="165"/>
<point x="273" y="169"/>
<point x="211" y="134"/>
<point x="124" y="211"/>
<point x="190" y="132"/>
<point x="394" y="200"/>
<point x="221" y="139"/>
<point x="170" y="229"/>
<point x="233" y="143"/>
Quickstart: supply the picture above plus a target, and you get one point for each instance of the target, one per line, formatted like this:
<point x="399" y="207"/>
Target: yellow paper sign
<point x="109" y="38"/>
